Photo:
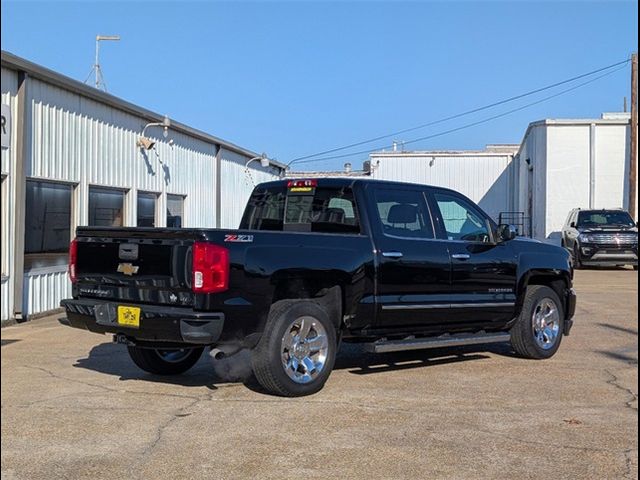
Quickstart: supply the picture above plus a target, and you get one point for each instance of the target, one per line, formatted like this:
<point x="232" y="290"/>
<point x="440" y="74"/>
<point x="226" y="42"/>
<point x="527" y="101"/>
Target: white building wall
<point x="568" y="177"/>
<point x="84" y="139"/>
<point x="576" y="164"/>
<point x="484" y="178"/>
<point x="611" y="149"/>
<point x="9" y="81"/>
<point x="236" y="185"/>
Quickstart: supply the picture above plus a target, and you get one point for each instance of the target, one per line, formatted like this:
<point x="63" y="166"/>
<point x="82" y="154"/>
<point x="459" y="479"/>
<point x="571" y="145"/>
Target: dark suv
<point x="601" y="237"/>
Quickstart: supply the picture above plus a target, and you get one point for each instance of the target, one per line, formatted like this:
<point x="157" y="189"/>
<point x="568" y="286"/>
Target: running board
<point x="412" y="343"/>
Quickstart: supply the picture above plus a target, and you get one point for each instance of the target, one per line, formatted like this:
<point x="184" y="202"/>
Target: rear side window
<point x="321" y="210"/>
<point x="403" y="213"/>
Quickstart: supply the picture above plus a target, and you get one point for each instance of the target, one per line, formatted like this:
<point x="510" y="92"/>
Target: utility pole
<point x="633" y="154"/>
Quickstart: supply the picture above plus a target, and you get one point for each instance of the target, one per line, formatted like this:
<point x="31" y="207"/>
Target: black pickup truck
<point x="315" y="262"/>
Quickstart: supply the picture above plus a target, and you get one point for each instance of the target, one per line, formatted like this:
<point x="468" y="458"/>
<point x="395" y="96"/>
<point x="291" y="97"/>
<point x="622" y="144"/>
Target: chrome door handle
<point x="461" y="256"/>
<point x="392" y="254"/>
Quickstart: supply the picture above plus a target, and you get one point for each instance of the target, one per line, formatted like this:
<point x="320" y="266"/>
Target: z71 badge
<point x="238" y="238"/>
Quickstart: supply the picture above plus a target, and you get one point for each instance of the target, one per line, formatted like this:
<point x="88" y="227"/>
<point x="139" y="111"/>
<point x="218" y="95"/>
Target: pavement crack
<point x="632" y="397"/>
<point x="160" y="429"/>
<point x="628" y="464"/>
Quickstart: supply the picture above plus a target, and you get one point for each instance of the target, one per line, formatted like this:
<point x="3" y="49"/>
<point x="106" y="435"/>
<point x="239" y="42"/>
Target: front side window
<point x="106" y="207"/>
<point x="604" y="217"/>
<point x="462" y="221"/>
<point x="175" y="211"/>
<point x="47" y="223"/>
<point x="146" y="209"/>
<point x="403" y="213"/>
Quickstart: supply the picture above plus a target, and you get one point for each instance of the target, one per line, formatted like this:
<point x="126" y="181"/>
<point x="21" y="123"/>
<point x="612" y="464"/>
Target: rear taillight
<point x="210" y="268"/>
<point x="73" y="260"/>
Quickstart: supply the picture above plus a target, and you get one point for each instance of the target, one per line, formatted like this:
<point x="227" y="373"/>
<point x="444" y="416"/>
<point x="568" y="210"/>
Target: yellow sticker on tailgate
<point x="129" y="316"/>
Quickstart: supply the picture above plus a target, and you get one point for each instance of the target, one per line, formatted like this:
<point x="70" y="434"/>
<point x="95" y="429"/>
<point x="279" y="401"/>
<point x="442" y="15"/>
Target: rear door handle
<point x="392" y="254"/>
<point x="461" y="256"/>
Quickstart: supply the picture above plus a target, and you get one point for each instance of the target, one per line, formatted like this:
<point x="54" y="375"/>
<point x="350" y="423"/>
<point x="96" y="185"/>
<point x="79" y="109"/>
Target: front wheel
<point x="297" y="350"/>
<point x="577" y="261"/>
<point x="538" y="331"/>
<point x="165" y="361"/>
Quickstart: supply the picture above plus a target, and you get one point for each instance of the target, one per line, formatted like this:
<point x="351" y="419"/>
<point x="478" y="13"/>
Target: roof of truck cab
<point x="348" y="182"/>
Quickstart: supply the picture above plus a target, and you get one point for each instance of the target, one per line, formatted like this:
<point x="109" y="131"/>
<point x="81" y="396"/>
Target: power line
<point x="473" y="124"/>
<point x="458" y="115"/>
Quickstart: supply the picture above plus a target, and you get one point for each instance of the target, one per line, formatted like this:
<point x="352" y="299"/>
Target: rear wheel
<point x="165" y="361"/>
<point x="297" y="350"/>
<point x="538" y="331"/>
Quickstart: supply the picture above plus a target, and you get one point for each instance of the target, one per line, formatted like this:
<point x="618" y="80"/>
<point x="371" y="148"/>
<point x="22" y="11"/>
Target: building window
<point x="47" y="231"/>
<point x="106" y="207"/>
<point x="175" y="211"/>
<point x="146" y="209"/>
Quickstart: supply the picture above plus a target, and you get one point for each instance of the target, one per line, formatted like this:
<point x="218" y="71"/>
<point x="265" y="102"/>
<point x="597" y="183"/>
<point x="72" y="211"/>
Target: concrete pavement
<point x="74" y="406"/>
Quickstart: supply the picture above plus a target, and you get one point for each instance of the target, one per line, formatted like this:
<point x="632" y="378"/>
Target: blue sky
<point x="294" y="78"/>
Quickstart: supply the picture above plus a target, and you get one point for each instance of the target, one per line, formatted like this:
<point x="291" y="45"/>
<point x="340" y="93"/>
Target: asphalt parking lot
<point x="74" y="406"/>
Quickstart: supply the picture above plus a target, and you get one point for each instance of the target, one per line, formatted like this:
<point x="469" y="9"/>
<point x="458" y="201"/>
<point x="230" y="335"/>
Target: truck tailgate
<point x="139" y="265"/>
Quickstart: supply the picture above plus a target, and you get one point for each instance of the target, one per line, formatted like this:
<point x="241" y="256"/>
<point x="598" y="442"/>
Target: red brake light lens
<point x="73" y="260"/>
<point x="302" y="183"/>
<point x="210" y="268"/>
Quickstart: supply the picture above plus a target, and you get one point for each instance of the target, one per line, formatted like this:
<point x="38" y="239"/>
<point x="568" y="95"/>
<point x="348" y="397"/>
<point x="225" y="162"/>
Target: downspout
<point x="23" y="135"/>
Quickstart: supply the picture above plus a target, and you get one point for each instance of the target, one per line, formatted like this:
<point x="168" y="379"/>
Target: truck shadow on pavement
<point x="112" y="359"/>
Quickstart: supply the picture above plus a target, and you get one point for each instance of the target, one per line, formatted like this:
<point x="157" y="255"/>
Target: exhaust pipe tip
<point x="217" y="354"/>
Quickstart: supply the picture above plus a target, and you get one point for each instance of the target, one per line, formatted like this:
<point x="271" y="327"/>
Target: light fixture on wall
<point x="264" y="162"/>
<point x="148" y="144"/>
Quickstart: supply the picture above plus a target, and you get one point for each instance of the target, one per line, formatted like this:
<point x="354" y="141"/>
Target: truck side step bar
<point x="412" y="343"/>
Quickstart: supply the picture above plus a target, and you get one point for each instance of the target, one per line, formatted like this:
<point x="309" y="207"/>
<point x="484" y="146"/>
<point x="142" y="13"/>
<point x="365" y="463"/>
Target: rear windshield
<point x="322" y="210"/>
<point x="604" y="217"/>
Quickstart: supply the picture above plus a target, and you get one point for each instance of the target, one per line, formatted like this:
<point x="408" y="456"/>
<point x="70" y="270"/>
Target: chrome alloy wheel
<point x="173" y="356"/>
<point x="546" y="323"/>
<point x="304" y="349"/>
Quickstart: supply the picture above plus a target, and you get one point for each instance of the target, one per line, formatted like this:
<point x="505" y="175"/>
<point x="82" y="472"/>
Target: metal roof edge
<point x="14" y="62"/>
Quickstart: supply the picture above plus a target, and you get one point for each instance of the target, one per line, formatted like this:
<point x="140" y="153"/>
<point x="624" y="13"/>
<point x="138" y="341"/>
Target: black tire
<point x="159" y="362"/>
<point x="522" y="333"/>
<point x="577" y="261"/>
<point x="267" y="356"/>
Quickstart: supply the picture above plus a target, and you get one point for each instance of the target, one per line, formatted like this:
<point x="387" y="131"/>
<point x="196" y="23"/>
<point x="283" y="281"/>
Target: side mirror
<point x="573" y="225"/>
<point x="507" y="232"/>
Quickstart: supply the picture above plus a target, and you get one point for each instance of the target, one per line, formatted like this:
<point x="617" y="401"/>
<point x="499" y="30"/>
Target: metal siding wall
<point x="611" y="166"/>
<point x="484" y="179"/>
<point x="236" y="186"/>
<point x="79" y="140"/>
<point x="9" y="81"/>
<point x="43" y="292"/>
<point x="567" y="175"/>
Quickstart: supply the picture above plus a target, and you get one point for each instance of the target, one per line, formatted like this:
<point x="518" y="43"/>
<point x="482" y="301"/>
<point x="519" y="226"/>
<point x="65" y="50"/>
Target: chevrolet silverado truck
<point x="395" y="266"/>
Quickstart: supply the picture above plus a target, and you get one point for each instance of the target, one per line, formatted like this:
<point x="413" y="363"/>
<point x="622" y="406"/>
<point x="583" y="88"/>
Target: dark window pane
<point x="403" y="213"/>
<point x="48" y="217"/>
<point x="146" y="209"/>
<point x="605" y="217"/>
<point x="265" y="210"/>
<point x="105" y="207"/>
<point x="175" y="211"/>
<point x="323" y="210"/>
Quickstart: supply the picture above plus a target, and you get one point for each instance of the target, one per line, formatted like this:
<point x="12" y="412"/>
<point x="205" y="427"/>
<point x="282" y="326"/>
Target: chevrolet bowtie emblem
<point x="127" y="268"/>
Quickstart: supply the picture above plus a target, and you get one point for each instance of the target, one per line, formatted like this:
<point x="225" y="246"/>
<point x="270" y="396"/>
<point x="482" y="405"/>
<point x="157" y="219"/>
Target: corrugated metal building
<point x="71" y="158"/>
<point x="485" y="176"/>
<point x="565" y="164"/>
